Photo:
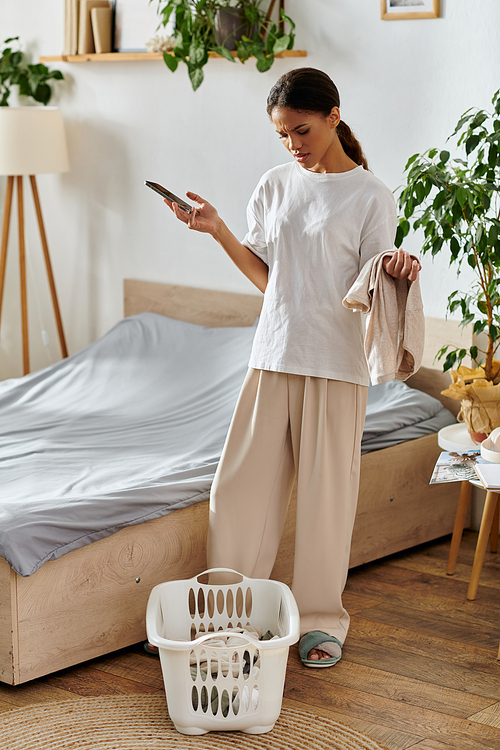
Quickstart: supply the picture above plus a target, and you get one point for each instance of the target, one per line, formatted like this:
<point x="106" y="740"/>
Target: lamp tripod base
<point x="22" y="263"/>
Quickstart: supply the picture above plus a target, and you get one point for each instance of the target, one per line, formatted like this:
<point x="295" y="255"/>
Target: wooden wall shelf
<point x="135" y="56"/>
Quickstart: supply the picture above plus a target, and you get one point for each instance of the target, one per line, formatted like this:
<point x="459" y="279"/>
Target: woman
<point x="313" y="223"/>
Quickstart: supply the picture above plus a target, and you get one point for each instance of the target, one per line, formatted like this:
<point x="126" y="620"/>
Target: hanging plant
<point x="197" y="32"/>
<point x="31" y="79"/>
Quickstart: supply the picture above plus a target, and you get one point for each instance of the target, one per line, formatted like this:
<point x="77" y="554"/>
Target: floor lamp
<point x="32" y="142"/>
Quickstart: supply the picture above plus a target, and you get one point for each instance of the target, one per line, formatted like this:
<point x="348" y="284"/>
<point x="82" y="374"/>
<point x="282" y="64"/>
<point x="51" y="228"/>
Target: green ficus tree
<point x="33" y="80"/>
<point x="194" y="34"/>
<point x="455" y="201"/>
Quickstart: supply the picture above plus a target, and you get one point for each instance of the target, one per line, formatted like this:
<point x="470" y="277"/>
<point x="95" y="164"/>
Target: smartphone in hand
<point x="169" y="196"/>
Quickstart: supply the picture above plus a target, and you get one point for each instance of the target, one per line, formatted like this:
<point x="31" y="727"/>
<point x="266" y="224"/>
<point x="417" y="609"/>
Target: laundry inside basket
<point x="220" y="656"/>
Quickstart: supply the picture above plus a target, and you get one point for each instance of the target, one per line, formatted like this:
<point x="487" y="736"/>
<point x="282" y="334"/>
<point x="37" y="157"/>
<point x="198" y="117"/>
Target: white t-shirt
<point x="315" y="231"/>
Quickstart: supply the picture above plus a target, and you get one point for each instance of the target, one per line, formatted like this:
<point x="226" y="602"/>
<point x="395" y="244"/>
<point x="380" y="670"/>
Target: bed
<point x="73" y="601"/>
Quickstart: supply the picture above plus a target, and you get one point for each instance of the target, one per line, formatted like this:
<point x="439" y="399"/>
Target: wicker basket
<point x="480" y="398"/>
<point x="480" y="411"/>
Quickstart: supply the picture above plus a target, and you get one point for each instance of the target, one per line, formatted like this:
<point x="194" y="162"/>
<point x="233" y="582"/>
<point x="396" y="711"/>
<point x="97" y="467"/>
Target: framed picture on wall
<point x="393" y="10"/>
<point x="136" y="22"/>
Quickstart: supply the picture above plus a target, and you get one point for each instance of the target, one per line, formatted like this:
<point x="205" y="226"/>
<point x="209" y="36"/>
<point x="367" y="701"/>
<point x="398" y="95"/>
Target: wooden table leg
<point x="489" y="510"/>
<point x="495" y="530"/>
<point x="463" y="504"/>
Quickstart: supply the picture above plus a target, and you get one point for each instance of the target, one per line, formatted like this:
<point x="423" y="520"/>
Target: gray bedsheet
<point x="130" y="429"/>
<point x="126" y="430"/>
<point x="396" y="413"/>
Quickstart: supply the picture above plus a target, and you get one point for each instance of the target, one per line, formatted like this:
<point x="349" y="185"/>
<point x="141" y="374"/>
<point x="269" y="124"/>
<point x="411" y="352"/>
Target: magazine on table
<point x="456" y="466"/>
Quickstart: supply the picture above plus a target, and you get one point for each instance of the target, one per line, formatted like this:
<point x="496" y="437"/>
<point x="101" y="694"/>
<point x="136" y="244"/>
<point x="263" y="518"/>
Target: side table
<point x="456" y="438"/>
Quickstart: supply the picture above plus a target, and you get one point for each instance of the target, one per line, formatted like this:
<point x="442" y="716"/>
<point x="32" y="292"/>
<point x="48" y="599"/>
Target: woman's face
<point x="311" y="138"/>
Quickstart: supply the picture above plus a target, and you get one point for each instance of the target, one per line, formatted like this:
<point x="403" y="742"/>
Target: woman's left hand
<point x="402" y="266"/>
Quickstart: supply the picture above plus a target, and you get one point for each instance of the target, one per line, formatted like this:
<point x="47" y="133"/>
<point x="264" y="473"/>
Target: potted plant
<point x="221" y="26"/>
<point x="456" y="201"/>
<point x="231" y="25"/>
<point x="33" y="80"/>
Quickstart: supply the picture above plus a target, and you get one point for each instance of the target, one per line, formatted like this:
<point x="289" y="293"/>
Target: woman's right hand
<point x="203" y="218"/>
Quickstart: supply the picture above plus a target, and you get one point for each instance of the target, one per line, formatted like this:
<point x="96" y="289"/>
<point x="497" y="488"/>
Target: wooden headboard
<point x="204" y="307"/>
<point x="208" y="307"/>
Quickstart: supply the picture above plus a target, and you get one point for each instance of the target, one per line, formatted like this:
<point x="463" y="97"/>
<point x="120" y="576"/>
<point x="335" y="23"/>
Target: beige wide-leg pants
<point x="286" y="425"/>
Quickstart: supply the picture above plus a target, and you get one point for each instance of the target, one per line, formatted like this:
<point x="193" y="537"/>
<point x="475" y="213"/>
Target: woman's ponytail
<point x="351" y="145"/>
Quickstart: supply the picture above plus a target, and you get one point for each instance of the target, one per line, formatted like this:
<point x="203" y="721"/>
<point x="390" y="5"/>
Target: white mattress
<point x="132" y="428"/>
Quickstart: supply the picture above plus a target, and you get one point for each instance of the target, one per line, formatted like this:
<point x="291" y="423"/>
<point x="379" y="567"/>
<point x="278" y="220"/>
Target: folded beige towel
<point x="395" y="329"/>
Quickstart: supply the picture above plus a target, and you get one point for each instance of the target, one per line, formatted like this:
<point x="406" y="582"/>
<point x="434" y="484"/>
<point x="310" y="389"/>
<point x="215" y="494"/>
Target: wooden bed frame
<point x="92" y="601"/>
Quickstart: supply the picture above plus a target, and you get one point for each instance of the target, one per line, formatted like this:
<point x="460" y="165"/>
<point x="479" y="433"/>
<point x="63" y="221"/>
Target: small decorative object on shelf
<point x="457" y="204"/>
<point x="160" y="44"/>
<point x="221" y="26"/>
<point x="33" y="80"/>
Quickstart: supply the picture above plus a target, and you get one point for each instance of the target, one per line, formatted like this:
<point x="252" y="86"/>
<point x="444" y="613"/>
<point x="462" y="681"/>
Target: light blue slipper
<point x="322" y="641"/>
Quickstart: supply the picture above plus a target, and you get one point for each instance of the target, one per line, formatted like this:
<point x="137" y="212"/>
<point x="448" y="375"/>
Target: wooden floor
<point x="419" y="669"/>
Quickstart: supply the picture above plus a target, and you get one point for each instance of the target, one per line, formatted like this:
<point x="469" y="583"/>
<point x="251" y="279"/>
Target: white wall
<point x="403" y="86"/>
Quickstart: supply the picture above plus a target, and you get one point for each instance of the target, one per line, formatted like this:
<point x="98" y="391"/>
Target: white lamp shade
<point x="32" y="141"/>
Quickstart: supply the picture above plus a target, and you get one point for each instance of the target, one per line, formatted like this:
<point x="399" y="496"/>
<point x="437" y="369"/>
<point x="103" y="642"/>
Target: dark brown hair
<point x="311" y="90"/>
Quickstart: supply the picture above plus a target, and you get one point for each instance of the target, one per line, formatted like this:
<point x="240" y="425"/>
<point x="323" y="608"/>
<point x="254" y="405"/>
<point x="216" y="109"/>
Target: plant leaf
<point x="399" y="236"/>
<point x="24" y="85"/>
<point x="16" y="58"/>
<point x="170" y="61"/>
<point x="287" y="19"/>
<point x="411" y="160"/>
<point x="281" y="44"/>
<point x="196" y="76"/>
<point x="462" y="196"/>
<point x="472" y="143"/>
<point x="242" y="51"/>
<point x="224" y="52"/>
<point x="264" y="62"/>
<point x="42" y="93"/>
<point x="450" y="360"/>
<point x="454" y="247"/>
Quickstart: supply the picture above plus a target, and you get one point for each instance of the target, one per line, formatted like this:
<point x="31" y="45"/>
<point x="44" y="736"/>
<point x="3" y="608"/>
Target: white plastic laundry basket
<point x="213" y="687"/>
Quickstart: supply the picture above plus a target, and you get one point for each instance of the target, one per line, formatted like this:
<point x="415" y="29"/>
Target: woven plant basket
<point x="480" y="399"/>
<point x="480" y="411"/>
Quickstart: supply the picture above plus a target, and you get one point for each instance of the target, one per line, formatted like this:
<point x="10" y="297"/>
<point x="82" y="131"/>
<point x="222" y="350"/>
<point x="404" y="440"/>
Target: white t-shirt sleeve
<point x="255" y="238"/>
<point x="379" y="230"/>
